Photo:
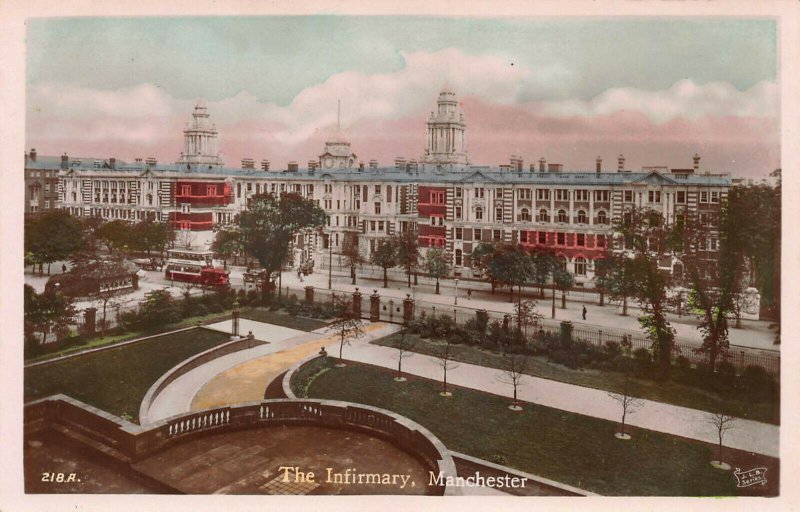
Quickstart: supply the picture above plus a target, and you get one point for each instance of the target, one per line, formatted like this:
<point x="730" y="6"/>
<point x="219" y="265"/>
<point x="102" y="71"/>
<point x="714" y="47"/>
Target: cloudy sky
<point x="656" y="90"/>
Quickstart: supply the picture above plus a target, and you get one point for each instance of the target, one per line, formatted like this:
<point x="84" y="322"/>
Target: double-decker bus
<point x="194" y="267"/>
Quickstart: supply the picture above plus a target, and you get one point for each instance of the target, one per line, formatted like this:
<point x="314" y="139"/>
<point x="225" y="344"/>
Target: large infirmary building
<point x="446" y="201"/>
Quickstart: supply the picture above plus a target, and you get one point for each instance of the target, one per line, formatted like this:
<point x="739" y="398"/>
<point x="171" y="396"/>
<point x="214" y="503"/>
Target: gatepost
<point x="482" y="319"/>
<point x="408" y="308"/>
<point x="90" y="320"/>
<point x="309" y="295"/>
<point x="374" y="306"/>
<point x="357" y="303"/>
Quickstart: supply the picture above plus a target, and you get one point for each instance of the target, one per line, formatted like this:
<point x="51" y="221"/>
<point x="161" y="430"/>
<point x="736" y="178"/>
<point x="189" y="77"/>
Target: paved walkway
<point x="681" y="421"/>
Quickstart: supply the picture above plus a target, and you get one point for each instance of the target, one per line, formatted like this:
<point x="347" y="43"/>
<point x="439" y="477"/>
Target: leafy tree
<point x="527" y="315"/>
<point x="602" y="277"/>
<point x="512" y="266"/>
<point x="619" y="279"/>
<point x="437" y="264"/>
<point x="156" y="310"/>
<point x="563" y="281"/>
<point x="50" y="311"/>
<point x="408" y="254"/>
<point x="345" y="324"/>
<point x="544" y="262"/>
<point x="270" y="223"/>
<point x="53" y="236"/>
<point x="115" y="234"/>
<point x="227" y="243"/>
<point x="90" y="225"/>
<point x="385" y="256"/>
<point x="352" y="253"/>
<point x="482" y="257"/>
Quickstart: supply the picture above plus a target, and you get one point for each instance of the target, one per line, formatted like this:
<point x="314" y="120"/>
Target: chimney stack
<point x="151" y="161"/>
<point x="620" y="163"/>
<point x="32" y="154"/>
<point x="696" y="159"/>
<point x="542" y="164"/>
<point x="112" y="162"/>
<point x="265" y="165"/>
<point x="599" y="163"/>
<point x="312" y="166"/>
<point x="292" y="167"/>
<point x="516" y="163"/>
<point x="64" y="161"/>
<point x="248" y="163"/>
<point x="373" y="164"/>
<point x="360" y="166"/>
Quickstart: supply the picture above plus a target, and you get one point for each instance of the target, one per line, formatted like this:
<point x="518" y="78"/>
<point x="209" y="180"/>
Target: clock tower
<point x="337" y="154"/>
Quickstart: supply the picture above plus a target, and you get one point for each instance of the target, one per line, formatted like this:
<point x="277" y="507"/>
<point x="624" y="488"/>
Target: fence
<point x="390" y="309"/>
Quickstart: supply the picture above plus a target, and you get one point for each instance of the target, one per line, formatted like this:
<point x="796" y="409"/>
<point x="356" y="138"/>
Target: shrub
<point x="756" y="382"/>
<point x="642" y="363"/>
<point x="201" y="310"/>
<point x="725" y="381"/>
<point x="216" y="308"/>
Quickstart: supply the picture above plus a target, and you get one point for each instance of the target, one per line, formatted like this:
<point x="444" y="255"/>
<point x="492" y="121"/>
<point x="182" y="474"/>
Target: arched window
<point x="525" y="215"/>
<point x="458" y="257"/>
<point x="580" y="266"/>
<point x="602" y="218"/>
<point x="479" y="213"/>
<point x="543" y="216"/>
<point x="562" y="216"/>
<point x="562" y="262"/>
<point x="388" y="193"/>
<point x="581" y="217"/>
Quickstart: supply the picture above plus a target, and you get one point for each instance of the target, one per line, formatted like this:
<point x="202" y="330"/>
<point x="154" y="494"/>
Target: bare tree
<point x="722" y="423"/>
<point x="629" y="403"/>
<point x="405" y="346"/>
<point x="345" y="323"/>
<point x="527" y="315"/>
<point x="444" y="353"/>
<point x="514" y="368"/>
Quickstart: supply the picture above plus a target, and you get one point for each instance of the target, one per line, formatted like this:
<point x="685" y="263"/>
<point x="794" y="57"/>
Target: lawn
<point x="117" y="379"/>
<point x="566" y="447"/>
<point x="667" y="392"/>
<point x="282" y="318"/>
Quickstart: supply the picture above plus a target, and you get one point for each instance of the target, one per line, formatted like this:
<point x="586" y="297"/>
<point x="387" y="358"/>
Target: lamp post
<point x="456" y="298"/>
<point x="330" y="261"/>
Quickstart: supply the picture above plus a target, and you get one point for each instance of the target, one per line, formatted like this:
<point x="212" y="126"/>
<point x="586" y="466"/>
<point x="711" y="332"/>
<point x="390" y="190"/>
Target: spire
<point x="338" y="113"/>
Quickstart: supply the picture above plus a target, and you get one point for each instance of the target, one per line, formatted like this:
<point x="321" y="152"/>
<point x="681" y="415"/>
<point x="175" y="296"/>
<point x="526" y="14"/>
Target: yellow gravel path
<point x="247" y="381"/>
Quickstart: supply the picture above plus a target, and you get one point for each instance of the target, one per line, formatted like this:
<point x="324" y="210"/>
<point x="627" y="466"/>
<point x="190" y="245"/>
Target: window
<point x="714" y="197"/>
<point x="497" y="234"/>
<point x="47" y="187"/>
<point x="542" y="194"/>
<point x="542" y="237"/>
<point x="581" y="195"/>
<point x="441" y="221"/>
<point x="477" y="235"/>
<point x="680" y="197"/>
<point x="338" y="204"/>
<point x="459" y="234"/>
<point x="581" y="217"/>
<point x="654" y="196"/>
<point x="377" y="190"/>
<point x="562" y="194"/>
<point x="561" y="239"/>
<point x="524" y="193"/>
<point x="372" y="225"/>
<point x="562" y="216"/>
<point x="327" y="204"/>
<point x="437" y="197"/>
<point x="704" y="196"/>
<point x="211" y="190"/>
<point x="380" y="226"/>
<point x="458" y="212"/>
<point x="479" y="192"/>
<point x="523" y="237"/>
<point x="628" y="196"/>
<point x="601" y="196"/>
<point x="479" y="213"/>
<point x="377" y="208"/>
<point x="328" y="188"/>
<point x="543" y="216"/>
<point x="364" y="194"/>
<point x="433" y="221"/>
<point x="186" y="190"/>
<point x="459" y="192"/>
<point x="580" y="266"/>
<point x="525" y="215"/>
<point x="713" y="244"/>
<point x="600" y="240"/>
<point x="388" y="193"/>
<point x="498" y="214"/>
<point x="459" y="257"/>
<point x="580" y="240"/>
<point x="46" y="204"/>
<point x="602" y="217"/>
<point x="680" y="220"/>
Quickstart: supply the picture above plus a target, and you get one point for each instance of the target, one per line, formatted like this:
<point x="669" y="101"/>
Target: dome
<point x="447" y="88"/>
<point x="338" y="136"/>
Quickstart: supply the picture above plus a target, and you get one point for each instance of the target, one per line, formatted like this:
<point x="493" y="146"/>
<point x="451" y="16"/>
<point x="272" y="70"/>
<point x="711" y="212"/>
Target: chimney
<point x="599" y="167"/>
<point x="312" y="166"/>
<point x="360" y="166"/>
<point x="265" y="165"/>
<point x="151" y="161"/>
<point x="64" y="161"/>
<point x="248" y="163"/>
<point x="373" y="164"/>
<point x="555" y="167"/>
<point x="542" y="164"/>
<point x="516" y="163"/>
<point x="32" y="155"/>
<point x="292" y="166"/>
<point x="112" y="162"/>
<point x="620" y="163"/>
<point x="138" y="160"/>
<point x="533" y="168"/>
<point x="399" y="163"/>
<point x="696" y="159"/>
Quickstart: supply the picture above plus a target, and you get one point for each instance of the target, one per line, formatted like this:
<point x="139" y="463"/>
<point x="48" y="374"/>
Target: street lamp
<point x="456" y="299"/>
<point x="330" y="261"/>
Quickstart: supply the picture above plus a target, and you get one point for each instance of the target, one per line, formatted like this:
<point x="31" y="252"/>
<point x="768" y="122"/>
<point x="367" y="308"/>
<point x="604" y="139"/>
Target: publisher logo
<point x="750" y="477"/>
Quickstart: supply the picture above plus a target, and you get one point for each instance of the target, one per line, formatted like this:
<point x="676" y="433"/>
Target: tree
<point x="404" y="343"/>
<point x="722" y="423"/>
<point x="385" y="256"/>
<point x="512" y="266"/>
<point x="544" y="262"/>
<point x="408" y="253"/>
<point x="563" y="281"/>
<point x="602" y="277"/>
<point x="352" y="253"/>
<point x="444" y="354"/>
<point x="50" y="311"/>
<point x="90" y="225"/>
<point x="527" y="315"/>
<point x="619" y="279"/>
<point x="481" y="259"/>
<point x="89" y="277"/>
<point x="629" y="404"/>
<point x="153" y="236"/>
<point x="156" y="310"/>
<point x="437" y="264"/>
<point x="345" y="324"/>
<point x="115" y="234"/>
<point x="270" y="223"/>
<point x="515" y="366"/>
<point x="227" y="243"/>
<point x="53" y="236"/>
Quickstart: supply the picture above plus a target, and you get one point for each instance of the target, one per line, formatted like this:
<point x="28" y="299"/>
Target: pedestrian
<point x="469" y="293"/>
<point x="63" y="268"/>
<point x="584" y="312"/>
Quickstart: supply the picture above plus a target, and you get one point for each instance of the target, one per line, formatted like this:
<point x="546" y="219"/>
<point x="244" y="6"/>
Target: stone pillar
<point x="566" y="332"/>
<point x="482" y="319"/>
<point x="357" y="303"/>
<point x="235" y="319"/>
<point x="374" y="306"/>
<point x="90" y="321"/>
<point x="408" y="308"/>
<point x="506" y="322"/>
<point x="309" y="295"/>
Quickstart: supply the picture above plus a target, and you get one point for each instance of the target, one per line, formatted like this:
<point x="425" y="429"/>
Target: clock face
<point x="328" y="162"/>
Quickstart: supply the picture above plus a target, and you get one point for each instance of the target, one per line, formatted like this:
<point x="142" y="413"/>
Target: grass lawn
<point x="668" y="392"/>
<point x="117" y="379"/>
<point x="282" y="318"/>
<point x="566" y="447"/>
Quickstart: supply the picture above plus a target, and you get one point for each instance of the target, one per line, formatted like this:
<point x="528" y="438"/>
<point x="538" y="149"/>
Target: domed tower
<point x="446" y="139"/>
<point x="200" y="139"/>
<point x="337" y="153"/>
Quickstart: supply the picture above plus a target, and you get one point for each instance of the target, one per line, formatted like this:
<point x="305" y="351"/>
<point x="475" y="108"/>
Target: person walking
<point x="584" y="312"/>
<point x="63" y="268"/>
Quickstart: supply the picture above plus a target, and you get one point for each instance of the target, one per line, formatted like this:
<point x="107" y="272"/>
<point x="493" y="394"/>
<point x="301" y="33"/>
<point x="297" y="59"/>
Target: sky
<point x="657" y="90"/>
